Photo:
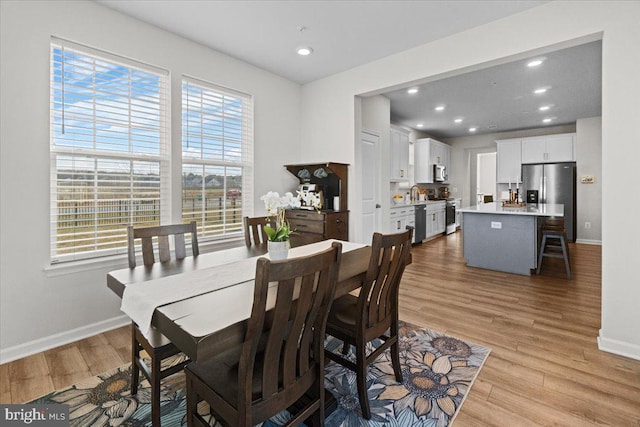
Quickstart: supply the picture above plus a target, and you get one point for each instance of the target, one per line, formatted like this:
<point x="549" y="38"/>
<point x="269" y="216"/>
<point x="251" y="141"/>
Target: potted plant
<point x="278" y="236"/>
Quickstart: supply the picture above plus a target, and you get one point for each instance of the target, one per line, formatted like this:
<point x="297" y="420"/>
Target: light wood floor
<point x="544" y="369"/>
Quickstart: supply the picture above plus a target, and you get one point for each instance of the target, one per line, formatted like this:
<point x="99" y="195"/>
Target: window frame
<point x="162" y="158"/>
<point x="246" y="162"/>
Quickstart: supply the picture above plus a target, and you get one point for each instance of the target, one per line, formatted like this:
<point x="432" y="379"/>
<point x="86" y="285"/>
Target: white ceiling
<point x="501" y="98"/>
<point x="345" y="34"/>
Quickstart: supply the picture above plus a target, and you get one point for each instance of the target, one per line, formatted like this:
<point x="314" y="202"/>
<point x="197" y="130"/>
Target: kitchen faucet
<point x="411" y="196"/>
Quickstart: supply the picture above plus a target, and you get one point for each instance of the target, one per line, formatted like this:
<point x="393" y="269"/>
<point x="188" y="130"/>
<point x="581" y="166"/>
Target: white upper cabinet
<point x="399" y="158"/>
<point x="561" y="148"/>
<point x="509" y="165"/>
<point x="549" y="149"/>
<point x="534" y="150"/>
<point x="428" y="152"/>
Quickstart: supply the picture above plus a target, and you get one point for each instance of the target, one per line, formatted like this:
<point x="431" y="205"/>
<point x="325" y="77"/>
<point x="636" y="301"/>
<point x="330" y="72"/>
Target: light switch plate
<point x="587" y="179"/>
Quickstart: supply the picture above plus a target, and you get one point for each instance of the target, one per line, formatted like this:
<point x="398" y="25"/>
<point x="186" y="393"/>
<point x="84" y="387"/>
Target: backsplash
<point x="402" y="188"/>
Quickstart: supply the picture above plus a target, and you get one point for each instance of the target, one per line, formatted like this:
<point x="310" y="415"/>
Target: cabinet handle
<point x="338" y="221"/>
<point x="302" y="225"/>
<point x="433" y="217"/>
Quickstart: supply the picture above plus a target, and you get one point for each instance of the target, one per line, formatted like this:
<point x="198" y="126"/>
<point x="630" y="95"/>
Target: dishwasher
<point x="420" y="232"/>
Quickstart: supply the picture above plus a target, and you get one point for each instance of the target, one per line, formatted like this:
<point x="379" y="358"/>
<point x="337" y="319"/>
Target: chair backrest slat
<point x="378" y="297"/>
<point x="180" y="249"/>
<point x="293" y="327"/>
<point x="254" y="234"/>
<point x="164" y="251"/>
<point x="162" y="233"/>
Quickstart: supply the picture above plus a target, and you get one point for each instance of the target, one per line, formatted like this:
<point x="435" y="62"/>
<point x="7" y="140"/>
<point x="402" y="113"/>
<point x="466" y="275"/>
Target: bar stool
<point x="554" y="243"/>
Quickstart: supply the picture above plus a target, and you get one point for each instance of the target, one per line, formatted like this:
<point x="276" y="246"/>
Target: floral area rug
<point x="438" y="371"/>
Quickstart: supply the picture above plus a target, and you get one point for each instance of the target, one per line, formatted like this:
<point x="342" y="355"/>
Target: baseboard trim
<point x="36" y="346"/>
<point x="589" y="242"/>
<point x="620" y="348"/>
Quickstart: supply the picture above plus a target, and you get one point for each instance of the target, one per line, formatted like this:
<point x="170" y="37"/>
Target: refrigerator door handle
<point x="544" y="189"/>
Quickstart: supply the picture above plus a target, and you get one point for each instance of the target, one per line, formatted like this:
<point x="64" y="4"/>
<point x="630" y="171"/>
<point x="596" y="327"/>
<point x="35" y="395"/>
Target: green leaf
<point x="270" y="232"/>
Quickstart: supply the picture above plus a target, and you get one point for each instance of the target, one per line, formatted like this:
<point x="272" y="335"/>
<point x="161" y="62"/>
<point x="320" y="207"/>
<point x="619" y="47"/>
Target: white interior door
<point x="369" y="177"/>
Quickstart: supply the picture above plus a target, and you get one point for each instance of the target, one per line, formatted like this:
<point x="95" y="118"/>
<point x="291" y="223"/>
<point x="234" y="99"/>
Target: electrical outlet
<point x="455" y="189"/>
<point x="587" y="225"/>
<point x="497" y="225"/>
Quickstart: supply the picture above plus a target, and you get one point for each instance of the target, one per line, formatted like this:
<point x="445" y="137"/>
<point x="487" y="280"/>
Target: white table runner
<point x="140" y="300"/>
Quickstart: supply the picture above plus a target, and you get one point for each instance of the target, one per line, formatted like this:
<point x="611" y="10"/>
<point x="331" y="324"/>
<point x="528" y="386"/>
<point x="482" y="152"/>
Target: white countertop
<point x="540" y="209"/>
<point x="424" y="202"/>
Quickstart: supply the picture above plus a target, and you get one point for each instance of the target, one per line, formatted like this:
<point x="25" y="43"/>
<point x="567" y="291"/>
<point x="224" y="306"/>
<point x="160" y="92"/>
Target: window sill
<point x="72" y="267"/>
<point x="119" y="261"/>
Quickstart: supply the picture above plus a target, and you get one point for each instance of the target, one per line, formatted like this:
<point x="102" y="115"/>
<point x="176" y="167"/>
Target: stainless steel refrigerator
<point x="555" y="183"/>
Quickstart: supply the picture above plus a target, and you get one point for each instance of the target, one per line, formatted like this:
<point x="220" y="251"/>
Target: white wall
<point x="328" y="118"/>
<point x="589" y="153"/>
<point x="37" y="310"/>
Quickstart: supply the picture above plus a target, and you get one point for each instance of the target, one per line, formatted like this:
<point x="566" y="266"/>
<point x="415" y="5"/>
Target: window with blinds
<point x="109" y="150"/>
<point x="217" y="157"/>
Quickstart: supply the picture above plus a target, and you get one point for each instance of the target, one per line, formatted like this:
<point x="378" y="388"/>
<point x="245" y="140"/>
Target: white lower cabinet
<point x="436" y="218"/>
<point x="401" y="217"/>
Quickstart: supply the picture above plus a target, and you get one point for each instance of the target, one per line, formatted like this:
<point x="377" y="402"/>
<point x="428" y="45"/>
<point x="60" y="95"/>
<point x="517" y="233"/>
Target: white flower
<point x="273" y="202"/>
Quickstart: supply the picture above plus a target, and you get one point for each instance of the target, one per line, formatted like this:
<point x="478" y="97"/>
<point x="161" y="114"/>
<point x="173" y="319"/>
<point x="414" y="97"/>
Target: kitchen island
<point x="504" y="238"/>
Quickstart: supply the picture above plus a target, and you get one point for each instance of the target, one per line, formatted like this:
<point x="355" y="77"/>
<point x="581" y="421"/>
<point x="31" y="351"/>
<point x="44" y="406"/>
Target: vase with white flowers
<point x="278" y="235"/>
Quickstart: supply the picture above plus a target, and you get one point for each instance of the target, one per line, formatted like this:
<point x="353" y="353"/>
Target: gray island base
<point x="504" y="239"/>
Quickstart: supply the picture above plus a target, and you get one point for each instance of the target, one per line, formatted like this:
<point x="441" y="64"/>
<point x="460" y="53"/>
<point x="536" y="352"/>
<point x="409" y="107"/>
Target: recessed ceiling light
<point x="547" y="120"/>
<point x="304" y="51"/>
<point x="458" y="120"/>
<point x="419" y="125"/>
<point x="473" y="129"/>
<point x="534" y="63"/>
<point x="412" y="90"/>
<point x="440" y="108"/>
<point x="539" y="91"/>
<point x="544" y="108"/>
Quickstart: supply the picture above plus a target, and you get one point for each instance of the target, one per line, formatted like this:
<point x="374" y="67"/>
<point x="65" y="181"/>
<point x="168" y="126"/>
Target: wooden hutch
<point x="329" y="223"/>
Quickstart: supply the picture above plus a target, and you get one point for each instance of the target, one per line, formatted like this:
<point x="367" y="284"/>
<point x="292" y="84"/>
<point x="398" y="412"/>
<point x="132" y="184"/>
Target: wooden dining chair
<point x="359" y="320"/>
<point x="254" y="234"/>
<point x="281" y="361"/>
<point x="156" y="345"/>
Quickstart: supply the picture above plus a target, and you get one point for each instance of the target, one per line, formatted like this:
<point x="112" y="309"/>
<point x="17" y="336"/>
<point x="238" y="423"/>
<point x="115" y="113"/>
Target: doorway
<point x="486" y="177"/>
<point x="480" y="176"/>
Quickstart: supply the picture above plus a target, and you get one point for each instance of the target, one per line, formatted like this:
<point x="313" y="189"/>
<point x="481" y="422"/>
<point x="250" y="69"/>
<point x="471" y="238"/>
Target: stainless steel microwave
<point x="439" y="173"/>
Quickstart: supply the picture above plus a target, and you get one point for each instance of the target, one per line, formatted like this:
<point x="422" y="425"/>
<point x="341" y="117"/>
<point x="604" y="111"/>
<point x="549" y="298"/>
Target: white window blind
<point x="109" y="150"/>
<point x="217" y="157"/>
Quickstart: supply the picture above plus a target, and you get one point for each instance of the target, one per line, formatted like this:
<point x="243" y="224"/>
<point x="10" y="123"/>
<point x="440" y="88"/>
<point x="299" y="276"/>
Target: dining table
<point x="214" y="319"/>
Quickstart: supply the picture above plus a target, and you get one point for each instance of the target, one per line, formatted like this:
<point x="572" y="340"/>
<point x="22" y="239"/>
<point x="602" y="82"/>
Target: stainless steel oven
<point x="450" y="216"/>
